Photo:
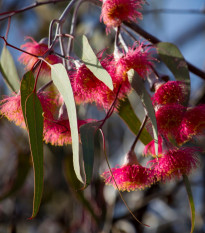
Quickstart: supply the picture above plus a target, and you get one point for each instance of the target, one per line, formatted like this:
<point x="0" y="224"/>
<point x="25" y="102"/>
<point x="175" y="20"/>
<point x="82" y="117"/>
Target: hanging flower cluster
<point x="87" y="88"/>
<point x="38" y="49"/>
<point x="129" y="177"/>
<point x="174" y="121"/>
<point x="174" y="163"/>
<point x="170" y="164"/>
<point x="56" y="130"/>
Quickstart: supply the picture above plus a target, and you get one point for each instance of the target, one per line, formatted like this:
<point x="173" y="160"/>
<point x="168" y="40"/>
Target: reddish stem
<point x="34" y="90"/>
<point x="8" y="27"/>
<point x="36" y="4"/>
<point x="139" y="133"/>
<point x="111" y="110"/>
<point x="14" y="47"/>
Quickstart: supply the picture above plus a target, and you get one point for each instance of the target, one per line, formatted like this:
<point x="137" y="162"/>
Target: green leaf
<point x="138" y="86"/>
<point x="75" y="185"/>
<point x="84" y="51"/>
<point x="32" y="111"/>
<point x="23" y="168"/>
<point x="62" y="82"/>
<point x="8" y="70"/>
<point x="27" y="86"/>
<point x="34" y="119"/>
<point x="87" y="134"/>
<point x="191" y="201"/>
<point x="175" y="61"/>
<point x="127" y="114"/>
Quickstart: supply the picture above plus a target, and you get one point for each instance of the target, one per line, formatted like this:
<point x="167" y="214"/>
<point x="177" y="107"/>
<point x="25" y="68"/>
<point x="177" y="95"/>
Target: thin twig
<point x="139" y="133"/>
<point x="59" y="28"/>
<point x="72" y="28"/>
<point x="121" y="196"/>
<point x="37" y="76"/>
<point x="63" y="51"/>
<point x="36" y="4"/>
<point x="116" y="43"/>
<point x="14" y="47"/>
<point x="111" y="109"/>
<point x="173" y="11"/>
<point x="51" y="31"/>
<point x="45" y="86"/>
<point x="123" y="43"/>
<point x="8" y="27"/>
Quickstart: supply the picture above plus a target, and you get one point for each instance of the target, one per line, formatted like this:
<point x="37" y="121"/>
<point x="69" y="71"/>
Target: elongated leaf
<point x="62" y="82"/>
<point x="75" y="185"/>
<point x="27" y="86"/>
<point x="23" y="168"/>
<point x="8" y="70"/>
<point x="34" y="119"/>
<point x="87" y="134"/>
<point x="175" y="61"/>
<point x="128" y="115"/>
<point x="138" y="86"/>
<point x="191" y="201"/>
<point x="86" y="54"/>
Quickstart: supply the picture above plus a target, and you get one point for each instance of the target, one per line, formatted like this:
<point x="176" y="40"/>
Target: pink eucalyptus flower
<point x="175" y="162"/>
<point x="11" y="108"/>
<point x="121" y="84"/>
<point x="114" y="12"/>
<point x="88" y="89"/>
<point x="172" y="92"/>
<point x="129" y="177"/>
<point x="137" y="58"/>
<point x="57" y="132"/>
<point x="193" y="122"/>
<point x="37" y="49"/>
<point x="149" y="149"/>
<point x="169" y="118"/>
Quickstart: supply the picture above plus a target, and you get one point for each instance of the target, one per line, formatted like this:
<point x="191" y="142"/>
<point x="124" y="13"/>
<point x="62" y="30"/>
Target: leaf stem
<point x="36" y="80"/>
<point x="8" y="27"/>
<point x="117" y="37"/>
<point x="36" y="4"/>
<point x="110" y="111"/>
<point x="14" y="47"/>
<point x="45" y="86"/>
<point x="121" y="196"/>
<point x="72" y="28"/>
<point x="139" y="133"/>
<point x="191" y="201"/>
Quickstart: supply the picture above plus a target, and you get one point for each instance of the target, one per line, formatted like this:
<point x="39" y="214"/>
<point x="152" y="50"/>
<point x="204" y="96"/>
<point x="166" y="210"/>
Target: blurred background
<point x="99" y="208"/>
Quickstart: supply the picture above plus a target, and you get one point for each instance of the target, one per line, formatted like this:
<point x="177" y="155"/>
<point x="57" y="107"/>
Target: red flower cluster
<point x="56" y="131"/>
<point x="174" y="120"/>
<point x="171" y="164"/>
<point x="129" y="177"/>
<point x="174" y="163"/>
<point x="114" y="12"/>
<point x="172" y="92"/>
<point x="38" y="49"/>
<point x="88" y="89"/>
